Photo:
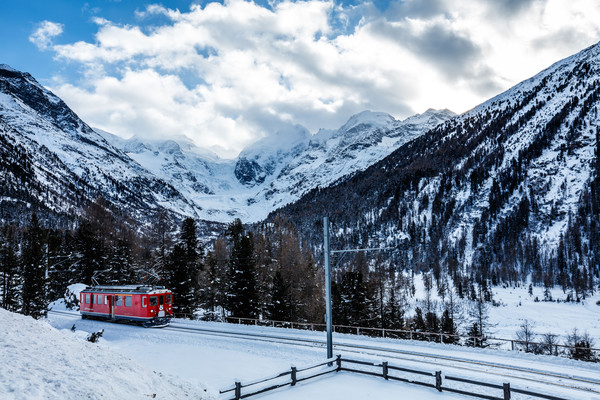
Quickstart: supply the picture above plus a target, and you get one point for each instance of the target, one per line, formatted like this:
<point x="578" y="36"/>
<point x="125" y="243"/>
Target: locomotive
<point x="150" y="306"/>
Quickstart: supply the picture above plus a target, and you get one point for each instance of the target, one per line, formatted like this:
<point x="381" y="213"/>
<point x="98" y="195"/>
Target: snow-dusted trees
<point x="242" y="297"/>
<point x="183" y="270"/>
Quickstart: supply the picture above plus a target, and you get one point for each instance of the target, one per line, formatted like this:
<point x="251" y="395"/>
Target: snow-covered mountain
<point x="511" y="187"/>
<point x="277" y="169"/>
<point x="54" y="163"/>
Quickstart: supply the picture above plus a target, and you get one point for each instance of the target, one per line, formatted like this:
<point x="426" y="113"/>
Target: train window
<point x="153" y="301"/>
<point x="161" y="299"/>
<point x="93" y="298"/>
<point x="99" y="299"/>
<point x="119" y="300"/>
<point x="144" y="301"/>
<point x="168" y="299"/>
<point x="127" y="301"/>
<point x="105" y="299"/>
<point x="87" y="299"/>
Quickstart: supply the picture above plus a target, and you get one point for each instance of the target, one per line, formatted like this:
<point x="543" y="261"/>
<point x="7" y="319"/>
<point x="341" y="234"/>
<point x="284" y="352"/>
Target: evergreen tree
<point x="213" y="287"/>
<point x="476" y="338"/>
<point x="448" y="328"/>
<point x="419" y="324"/>
<point x="280" y="308"/>
<point x="9" y="269"/>
<point x="35" y="301"/>
<point x="184" y="270"/>
<point x="60" y="254"/>
<point x="242" y="295"/>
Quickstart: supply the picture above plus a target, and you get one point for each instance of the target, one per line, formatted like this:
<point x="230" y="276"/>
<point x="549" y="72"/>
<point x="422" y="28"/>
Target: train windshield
<point x="161" y="300"/>
<point x="168" y="299"/>
<point x="153" y="300"/>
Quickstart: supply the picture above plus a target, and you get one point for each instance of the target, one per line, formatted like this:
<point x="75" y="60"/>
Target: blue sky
<point x="226" y="74"/>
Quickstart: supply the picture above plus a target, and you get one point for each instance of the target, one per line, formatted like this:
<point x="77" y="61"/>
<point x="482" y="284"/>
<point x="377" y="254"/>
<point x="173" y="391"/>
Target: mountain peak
<point x="369" y="118"/>
<point x="8" y="68"/>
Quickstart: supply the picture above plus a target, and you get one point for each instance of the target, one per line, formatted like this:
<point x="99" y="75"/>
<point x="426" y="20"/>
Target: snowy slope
<point x="41" y="362"/>
<point x="278" y="169"/>
<point x="480" y="187"/>
<point x="66" y="163"/>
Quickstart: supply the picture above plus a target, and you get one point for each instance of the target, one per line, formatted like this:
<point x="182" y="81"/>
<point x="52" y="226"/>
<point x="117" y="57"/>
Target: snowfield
<point x="41" y="362"/>
<point x="50" y="361"/>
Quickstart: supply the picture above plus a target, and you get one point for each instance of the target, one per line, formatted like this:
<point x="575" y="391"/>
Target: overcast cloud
<point x="228" y="74"/>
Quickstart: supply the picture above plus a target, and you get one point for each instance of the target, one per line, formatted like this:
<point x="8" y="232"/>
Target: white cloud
<point x="226" y="74"/>
<point x="43" y="36"/>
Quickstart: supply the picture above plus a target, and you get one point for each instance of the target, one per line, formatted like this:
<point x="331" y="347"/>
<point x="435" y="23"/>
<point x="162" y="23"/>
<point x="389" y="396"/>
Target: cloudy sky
<point x="227" y="73"/>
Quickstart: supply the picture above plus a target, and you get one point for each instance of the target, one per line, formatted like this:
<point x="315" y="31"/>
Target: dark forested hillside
<point x="507" y="190"/>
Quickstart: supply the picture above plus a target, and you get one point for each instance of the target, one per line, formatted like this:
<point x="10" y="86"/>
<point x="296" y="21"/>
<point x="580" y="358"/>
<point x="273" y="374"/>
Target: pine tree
<point x="242" y="295"/>
<point x="280" y="307"/>
<point x="9" y="269"/>
<point x="35" y="301"/>
<point x="419" y="324"/>
<point x="213" y="287"/>
<point x="448" y="328"/>
<point x="184" y="270"/>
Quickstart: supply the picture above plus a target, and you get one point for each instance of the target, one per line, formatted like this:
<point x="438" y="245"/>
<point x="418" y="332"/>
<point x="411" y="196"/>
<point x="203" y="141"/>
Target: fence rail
<point x="399" y="333"/>
<point x="293" y="373"/>
<point x="382" y="370"/>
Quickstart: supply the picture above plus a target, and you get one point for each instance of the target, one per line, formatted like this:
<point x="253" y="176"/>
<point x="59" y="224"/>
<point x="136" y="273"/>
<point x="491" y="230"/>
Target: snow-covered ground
<point x="41" y="362"/>
<point x="514" y="306"/>
<point x="48" y="360"/>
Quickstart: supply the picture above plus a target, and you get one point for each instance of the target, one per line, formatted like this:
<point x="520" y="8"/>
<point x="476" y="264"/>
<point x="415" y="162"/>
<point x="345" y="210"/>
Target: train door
<point x="161" y="306"/>
<point x="111" y="306"/>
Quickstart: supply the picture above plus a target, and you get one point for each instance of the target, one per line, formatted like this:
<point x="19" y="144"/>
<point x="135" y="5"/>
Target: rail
<point x="387" y="372"/>
<point x="438" y="337"/>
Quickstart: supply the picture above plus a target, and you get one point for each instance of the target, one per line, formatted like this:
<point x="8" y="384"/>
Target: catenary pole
<point x="328" y="315"/>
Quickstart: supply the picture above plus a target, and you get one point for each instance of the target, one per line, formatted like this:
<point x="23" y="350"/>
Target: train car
<point x="147" y="305"/>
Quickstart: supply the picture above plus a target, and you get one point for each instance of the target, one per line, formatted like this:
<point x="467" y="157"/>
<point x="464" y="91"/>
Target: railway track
<point x="505" y="371"/>
<point x="501" y="370"/>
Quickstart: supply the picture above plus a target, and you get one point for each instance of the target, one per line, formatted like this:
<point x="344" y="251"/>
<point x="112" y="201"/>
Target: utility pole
<point x="328" y="316"/>
<point x="327" y="252"/>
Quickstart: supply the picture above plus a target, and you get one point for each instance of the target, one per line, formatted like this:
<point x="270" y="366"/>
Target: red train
<point x="148" y="305"/>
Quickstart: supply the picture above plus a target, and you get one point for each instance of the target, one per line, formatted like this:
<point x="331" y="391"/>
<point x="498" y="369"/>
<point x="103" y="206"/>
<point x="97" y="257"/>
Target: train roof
<point x="125" y="289"/>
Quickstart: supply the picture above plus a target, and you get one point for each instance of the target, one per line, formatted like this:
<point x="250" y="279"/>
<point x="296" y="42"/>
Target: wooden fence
<point x="385" y="370"/>
<point x="408" y="334"/>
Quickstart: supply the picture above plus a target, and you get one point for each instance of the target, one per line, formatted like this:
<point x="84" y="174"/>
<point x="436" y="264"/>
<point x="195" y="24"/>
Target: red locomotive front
<point x="149" y="305"/>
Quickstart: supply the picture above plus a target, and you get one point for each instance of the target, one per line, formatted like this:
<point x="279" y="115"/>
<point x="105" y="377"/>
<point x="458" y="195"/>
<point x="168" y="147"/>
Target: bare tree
<point x="526" y="336"/>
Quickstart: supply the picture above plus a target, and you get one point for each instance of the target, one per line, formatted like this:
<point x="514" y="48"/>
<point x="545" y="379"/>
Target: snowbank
<point x="40" y="362"/>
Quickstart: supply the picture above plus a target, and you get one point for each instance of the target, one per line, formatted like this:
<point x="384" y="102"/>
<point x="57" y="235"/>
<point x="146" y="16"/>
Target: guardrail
<point x="403" y="334"/>
<point x="382" y="370"/>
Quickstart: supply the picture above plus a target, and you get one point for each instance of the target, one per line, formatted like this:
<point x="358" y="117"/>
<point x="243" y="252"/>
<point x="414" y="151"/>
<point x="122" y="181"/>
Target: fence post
<point x="383" y="334"/>
<point x="293" y="375"/>
<point x="238" y="390"/>
<point x="506" y="391"/>
<point x="512" y="345"/>
<point x="357" y="331"/>
<point x="555" y="350"/>
<point x="338" y="361"/>
<point x="385" y="370"/>
<point x="410" y="334"/>
<point x="438" y="380"/>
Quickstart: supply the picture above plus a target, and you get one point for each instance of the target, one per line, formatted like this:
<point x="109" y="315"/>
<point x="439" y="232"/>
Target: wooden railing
<point x="276" y="381"/>
<point x="402" y="334"/>
<point x="384" y="370"/>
